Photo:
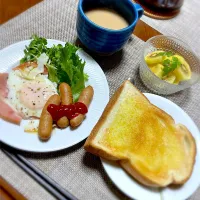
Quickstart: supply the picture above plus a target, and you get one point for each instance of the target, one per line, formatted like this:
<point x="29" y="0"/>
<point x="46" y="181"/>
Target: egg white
<point x="17" y="83"/>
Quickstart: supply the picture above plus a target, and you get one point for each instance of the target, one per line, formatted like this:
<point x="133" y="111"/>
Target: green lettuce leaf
<point x="73" y="66"/>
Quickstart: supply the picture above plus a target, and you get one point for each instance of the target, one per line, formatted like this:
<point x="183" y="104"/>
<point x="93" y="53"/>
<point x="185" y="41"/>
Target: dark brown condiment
<point x="163" y="5"/>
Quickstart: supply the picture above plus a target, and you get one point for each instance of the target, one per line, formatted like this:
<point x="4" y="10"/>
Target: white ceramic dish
<point x="15" y="136"/>
<point x="137" y="191"/>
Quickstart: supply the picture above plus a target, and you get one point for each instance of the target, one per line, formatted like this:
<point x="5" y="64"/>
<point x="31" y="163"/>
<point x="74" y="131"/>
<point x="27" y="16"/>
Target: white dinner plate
<point x="137" y="191"/>
<point x="15" y="136"/>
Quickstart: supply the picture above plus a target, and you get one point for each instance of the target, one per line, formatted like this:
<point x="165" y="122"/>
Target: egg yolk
<point x="35" y="94"/>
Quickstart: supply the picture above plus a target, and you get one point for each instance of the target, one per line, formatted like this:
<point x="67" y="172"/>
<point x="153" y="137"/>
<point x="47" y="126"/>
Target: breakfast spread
<point x="49" y="86"/>
<point x="144" y="140"/>
<point x="170" y="67"/>
<point x="148" y="145"/>
<point x="43" y="73"/>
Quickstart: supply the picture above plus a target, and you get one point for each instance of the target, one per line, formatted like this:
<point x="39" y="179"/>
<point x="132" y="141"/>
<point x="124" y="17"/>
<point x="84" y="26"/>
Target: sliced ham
<point x="24" y="65"/>
<point x="45" y="70"/>
<point x="28" y="64"/>
<point x="7" y="113"/>
<point x="3" y="84"/>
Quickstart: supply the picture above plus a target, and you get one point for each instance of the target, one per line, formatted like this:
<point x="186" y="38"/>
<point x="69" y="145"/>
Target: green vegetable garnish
<point x="170" y="65"/>
<point x="64" y="65"/>
<point x="165" y="53"/>
<point x="35" y="49"/>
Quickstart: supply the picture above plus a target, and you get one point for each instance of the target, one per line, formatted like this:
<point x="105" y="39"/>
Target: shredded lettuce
<point x="63" y="64"/>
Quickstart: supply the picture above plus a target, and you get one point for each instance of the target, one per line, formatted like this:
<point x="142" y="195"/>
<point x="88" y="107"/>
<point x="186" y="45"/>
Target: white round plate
<point x="137" y="191"/>
<point x="15" y="136"/>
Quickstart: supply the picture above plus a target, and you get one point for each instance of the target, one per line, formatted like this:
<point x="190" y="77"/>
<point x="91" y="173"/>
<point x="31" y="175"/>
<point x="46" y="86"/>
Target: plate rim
<point x="49" y="149"/>
<point x="104" y="163"/>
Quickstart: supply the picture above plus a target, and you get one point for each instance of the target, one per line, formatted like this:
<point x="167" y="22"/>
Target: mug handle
<point x="139" y="10"/>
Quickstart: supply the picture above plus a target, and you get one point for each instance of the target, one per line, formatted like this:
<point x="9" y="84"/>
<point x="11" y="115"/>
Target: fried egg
<point x="28" y="94"/>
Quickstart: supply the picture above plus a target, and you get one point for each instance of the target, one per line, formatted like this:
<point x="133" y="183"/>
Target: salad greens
<point x="63" y="64"/>
<point x="35" y="49"/>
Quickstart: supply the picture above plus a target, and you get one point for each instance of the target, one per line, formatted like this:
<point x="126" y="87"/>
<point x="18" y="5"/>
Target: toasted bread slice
<point x="144" y="139"/>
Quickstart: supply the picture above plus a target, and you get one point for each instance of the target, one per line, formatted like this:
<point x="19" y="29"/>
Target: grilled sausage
<point x="66" y="99"/>
<point x="86" y="98"/>
<point x="46" y="121"/>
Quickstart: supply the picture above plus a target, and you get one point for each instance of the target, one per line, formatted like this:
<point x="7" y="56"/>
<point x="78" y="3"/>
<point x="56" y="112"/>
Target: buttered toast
<point x="144" y="139"/>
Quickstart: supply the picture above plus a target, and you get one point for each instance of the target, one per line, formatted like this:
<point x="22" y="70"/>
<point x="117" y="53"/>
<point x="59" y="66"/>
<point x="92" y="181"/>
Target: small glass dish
<point x="174" y="45"/>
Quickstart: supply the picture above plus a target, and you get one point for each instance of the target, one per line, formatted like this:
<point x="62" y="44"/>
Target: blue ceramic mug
<point x="102" y="40"/>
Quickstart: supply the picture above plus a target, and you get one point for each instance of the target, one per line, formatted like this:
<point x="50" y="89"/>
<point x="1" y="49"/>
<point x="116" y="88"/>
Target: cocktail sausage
<point x="66" y="99"/>
<point x="86" y="98"/>
<point x="46" y="121"/>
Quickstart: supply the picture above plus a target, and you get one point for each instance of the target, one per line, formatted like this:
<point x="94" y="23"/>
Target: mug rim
<point x="107" y="29"/>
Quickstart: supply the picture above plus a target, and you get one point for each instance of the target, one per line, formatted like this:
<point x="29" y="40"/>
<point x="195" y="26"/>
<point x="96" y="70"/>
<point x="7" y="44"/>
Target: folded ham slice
<point x="9" y="114"/>
<point x="6" y="111"/>
<point x="32" y="64"/>
<point x="3" y="83"/>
